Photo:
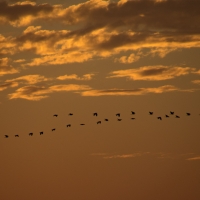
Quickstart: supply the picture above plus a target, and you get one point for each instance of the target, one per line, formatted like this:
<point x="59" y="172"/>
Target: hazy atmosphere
<point x="100" y="100"/>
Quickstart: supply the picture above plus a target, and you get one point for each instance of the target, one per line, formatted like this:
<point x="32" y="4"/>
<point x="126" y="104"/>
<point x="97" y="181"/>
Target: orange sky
<point x="108" y="57"/>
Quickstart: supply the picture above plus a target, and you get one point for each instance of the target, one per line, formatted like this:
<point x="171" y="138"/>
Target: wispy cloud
<point x="6" y="68"/>
<point x="152" y="73"/>
<point x="196" y="81"/>
<point x="7" y="85"/>
<point x="75" y="77"/>
<point x="36" y="93"/>
<point x="194" y="158"/>
<point x="121" y="92"/>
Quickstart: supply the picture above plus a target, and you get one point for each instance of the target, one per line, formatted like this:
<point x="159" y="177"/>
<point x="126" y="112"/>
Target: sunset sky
<point x="104" y="57"/>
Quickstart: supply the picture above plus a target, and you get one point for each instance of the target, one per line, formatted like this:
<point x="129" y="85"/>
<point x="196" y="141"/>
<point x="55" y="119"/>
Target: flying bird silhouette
<point x="171" y="112"/>
<point x="160" y="118"/>
<point x="106" y="120"/>
<point x="151" y="113"/>
<point x="188" y="114"/>
<point x="30" y="134"/>
<point x="53" y="129"/>
<point x="68" y="125"/>
<point x="6" y="136"/>
<point x="55" y="115"/>
<point x="99" y="122"/>
<point x="95" y="114"/>
<point x="41" y="133"/>
<point x="132" y="112"/>
<point x="119" y="119"/>
<point x="177" y="116"/>
<point x="70" y="114"/>
<point x="166" y="115"/>
<point x="82" y="124"/>
<point x="16" y="135"/>
<point x="132" y="118"/>
<point x="118" y="114"/>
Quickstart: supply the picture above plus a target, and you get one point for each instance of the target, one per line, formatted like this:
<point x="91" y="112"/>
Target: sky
<point x="130" y="57"/>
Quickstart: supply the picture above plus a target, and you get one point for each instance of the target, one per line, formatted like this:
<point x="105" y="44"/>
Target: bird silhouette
<point x="132" y="118"/>
<point x="160" y="118"/>
<point x="132" y="112"/>
<point x="118" y="114"/>
<point x="82" y="124"/>
<point x="6" y="136"/>
<point x="55" y="115"/>
<point x="171" y="112"/>
<point x="53" y="129"/>
<point x="16" y="135"/>
<point x="30" y="134"/>
<point x="41" y="133"/>
<point x="119" y="119"/>
<point x="151" y="113"/>
<point x="70" y="114"/>
<point x="177" y="116"/>
<point x="188" y="114"/>
<point x="68" y="125"/>
<point x="95" y="114"/>
<point x="166" y="115"/>
<point x="106" y="120"/>
<point x="99" y="122"/>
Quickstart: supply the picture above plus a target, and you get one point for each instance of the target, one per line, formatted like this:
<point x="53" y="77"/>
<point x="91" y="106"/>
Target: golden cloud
<point x="152" y="73"/>
<point x="5" y="68"/>
<point x="36" y="93"/>
<point x="124" y="92"/>
<point x="75" y="77"/>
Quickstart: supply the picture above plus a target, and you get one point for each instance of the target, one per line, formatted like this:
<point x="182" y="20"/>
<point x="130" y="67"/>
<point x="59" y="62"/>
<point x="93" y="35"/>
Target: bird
<point x="16" y="135"/>
<point x="177" y="116"/>
<point x="171" y="112"/>
<point x="95" y="114"/>
<point x="70" y="114"/>
<point x="41" y="133"/>
<point x="55" y="115"/>
<point x="118" y="114"/>
<point x="99" y="122"/>
<point x="30" y="134"/>
<point x="151" y="113"/>
<point x="166" y="115"/>
<point x="53" y="129"/>
<point x="106" y="120"/>
<point x="188" y="114"/>
<point x="68" y="125"/>
<point x="160" y="118"/>
<point x="132" y="112"/>
<point x="82" y="124"/>
<point x="132" y="118"/>
<point x="119" y="119"/>
<point x="6" y="136"/>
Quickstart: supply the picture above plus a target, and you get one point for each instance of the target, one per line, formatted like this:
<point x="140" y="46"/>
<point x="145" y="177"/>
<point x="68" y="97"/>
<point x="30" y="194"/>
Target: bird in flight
<point x="55" y="115"/>
<point x="16" y="135"/>
<point x="41" y="133"/>
<point x="30" y="134"/>
<point x="53" y="129"/>
<point x="132" y="112"/>
<point x="171" y="112"/>
<point x="160" y="118"/>
<point x="70" y="114"/>
<point x="132" y="118"/>
<point x="166" y="115"/>
<point x="118" y="114"/>
<point x="95" y="114"/>
<point x="177" y="116"/>
<point x="151" y="113"/>
<point x="82" y="124"/>
<point x="6" y="136"/>
<point x="99" y="122"/>
<point x="119" y="119"/>
<point x="188" y="114"/>
<point x="106" y="120"/>
<point x="68" y="125"/>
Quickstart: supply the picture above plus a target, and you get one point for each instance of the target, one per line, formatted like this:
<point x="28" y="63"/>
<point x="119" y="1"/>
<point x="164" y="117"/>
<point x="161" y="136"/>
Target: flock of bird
<point x="99" y="122"/>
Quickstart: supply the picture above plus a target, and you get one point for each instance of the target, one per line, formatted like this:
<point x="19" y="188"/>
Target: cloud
<point x="75" y="77"/>
<point x="196" y="81"/>
<point x="7" y="85"/>
<point x="194" y="158"/>
<point x="5" y="68"/>
<point x="128" y="59"/>
<point x="36" y="93"/>
<point x="30" y="79"/>
<point x="123" y="156"/>
<point x="124" y="92"/>
<point x="152" y="73"/>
